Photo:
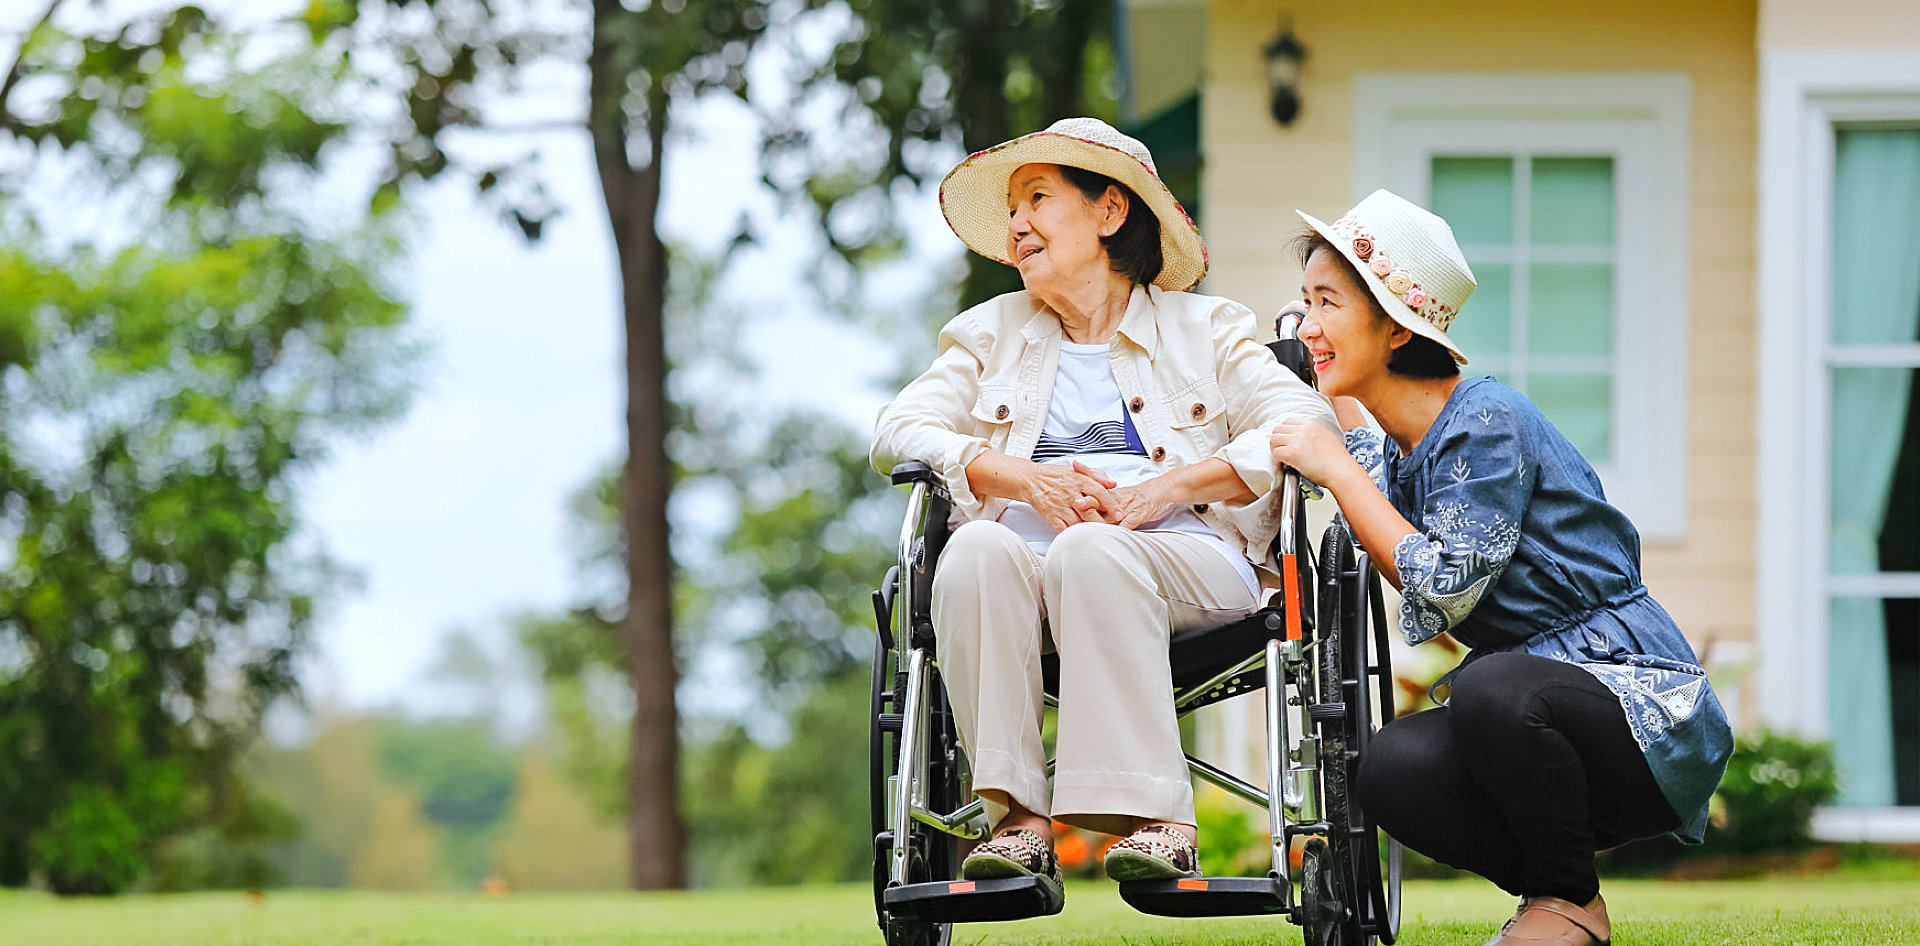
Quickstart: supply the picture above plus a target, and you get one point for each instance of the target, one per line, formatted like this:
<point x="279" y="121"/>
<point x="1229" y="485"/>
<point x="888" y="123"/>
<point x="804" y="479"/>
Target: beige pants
<point x="1111" y="597"/>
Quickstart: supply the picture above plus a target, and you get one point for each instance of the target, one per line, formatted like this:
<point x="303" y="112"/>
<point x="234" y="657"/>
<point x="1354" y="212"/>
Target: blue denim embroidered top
<point x="1517" y="549"/>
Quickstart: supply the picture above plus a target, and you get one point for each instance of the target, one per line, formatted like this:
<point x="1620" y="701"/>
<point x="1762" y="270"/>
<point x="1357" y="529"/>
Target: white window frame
<point x="1643" y="121"/>
<point x="1804" y="95"/>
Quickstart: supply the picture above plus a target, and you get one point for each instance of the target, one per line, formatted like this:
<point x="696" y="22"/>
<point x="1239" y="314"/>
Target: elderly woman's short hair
<point x="1133" y="250"/>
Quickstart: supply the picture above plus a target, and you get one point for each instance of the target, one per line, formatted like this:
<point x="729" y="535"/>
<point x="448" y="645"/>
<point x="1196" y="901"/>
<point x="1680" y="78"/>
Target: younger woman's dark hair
<point x="1420" y="357"/>
<point x="1133" y="250"/>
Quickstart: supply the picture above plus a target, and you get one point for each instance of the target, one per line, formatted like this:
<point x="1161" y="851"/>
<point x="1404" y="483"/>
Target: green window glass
<point x="1540" y="234"/>
<point x="1873" y="466"/>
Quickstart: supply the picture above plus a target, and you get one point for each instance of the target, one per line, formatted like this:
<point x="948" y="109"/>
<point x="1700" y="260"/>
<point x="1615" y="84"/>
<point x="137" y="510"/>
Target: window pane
<point x="1496" y="367"/>
<point x="1581" y="405"/>
<point x="1485" y="323"/>
<point x="1572" y="202"/>
<point x="1475" y="196"/>
<point x="1570" y="309"/>
<point x="1874" y="471"/>
<point x="1873" y="686"/>
<point x="1876" y="236"/>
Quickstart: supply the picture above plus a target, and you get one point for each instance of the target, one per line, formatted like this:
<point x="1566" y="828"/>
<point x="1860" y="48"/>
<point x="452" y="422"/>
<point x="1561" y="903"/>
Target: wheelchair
<point x="1318" y="650"/>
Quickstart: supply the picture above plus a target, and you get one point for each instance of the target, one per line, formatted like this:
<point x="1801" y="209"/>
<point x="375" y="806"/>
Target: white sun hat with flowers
<point x="973" y="196"/>
<point x="1409" y="260"/>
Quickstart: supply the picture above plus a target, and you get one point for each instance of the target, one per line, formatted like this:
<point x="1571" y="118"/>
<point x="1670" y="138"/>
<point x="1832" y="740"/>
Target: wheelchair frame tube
<point x="909" y="529"/>
<point x="1227" y="780"/>
<point x="907" y="764"/>
<point x="1289" y="551"/>
<point x="1279" y="783"/>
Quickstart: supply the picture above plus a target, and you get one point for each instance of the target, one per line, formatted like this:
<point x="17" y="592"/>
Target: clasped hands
<point x="1064" y="496"/>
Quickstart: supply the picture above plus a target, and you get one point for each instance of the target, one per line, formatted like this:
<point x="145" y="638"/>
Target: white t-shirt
<point x="1088" y="422"/>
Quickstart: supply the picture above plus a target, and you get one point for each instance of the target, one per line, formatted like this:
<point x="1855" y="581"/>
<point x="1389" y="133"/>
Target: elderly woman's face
<point x="1053" y="231"/>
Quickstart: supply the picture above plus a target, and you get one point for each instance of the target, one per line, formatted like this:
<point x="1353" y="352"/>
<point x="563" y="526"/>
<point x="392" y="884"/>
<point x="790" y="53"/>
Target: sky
<point x="454" y="517"/>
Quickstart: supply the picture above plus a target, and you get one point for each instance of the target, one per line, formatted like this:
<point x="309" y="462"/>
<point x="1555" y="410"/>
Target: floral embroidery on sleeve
<point x="1480" y="484"/>
<point x="1364" y="446"/>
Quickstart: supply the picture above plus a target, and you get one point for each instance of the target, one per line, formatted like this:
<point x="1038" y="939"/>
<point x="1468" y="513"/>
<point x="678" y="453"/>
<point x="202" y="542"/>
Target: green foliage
<point x="464" y="779"/>
<point x="168" y="374"/>
<point x="1233" y="836"/>
<point x="236" y="853"/>
<point x="557" y="838"/>
<point x="463" y="776"/>
<point x="928" y="73"/>
<point x="791" y="813"/>
<point x="359" y="826"/>
<point x="1772" y="786"/>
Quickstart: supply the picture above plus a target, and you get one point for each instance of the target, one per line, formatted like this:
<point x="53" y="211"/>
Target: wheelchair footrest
<point x="1206" y="896"/>
<point x="974" y="901"/>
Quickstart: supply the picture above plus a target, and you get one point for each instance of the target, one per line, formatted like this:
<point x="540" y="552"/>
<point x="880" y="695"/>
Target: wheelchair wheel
<point x="1367" y="902"/>
<point x="934" y="855"/>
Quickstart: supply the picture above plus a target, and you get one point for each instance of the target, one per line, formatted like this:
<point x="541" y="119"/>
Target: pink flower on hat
<point x="1363" y="247"/>
<point x="1381" y="265"/>
<point x="1417" y="297"/>
<point x="1398" y="283"/>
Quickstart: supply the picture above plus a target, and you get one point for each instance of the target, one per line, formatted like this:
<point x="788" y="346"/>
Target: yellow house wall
<point x="1257" y="173"/>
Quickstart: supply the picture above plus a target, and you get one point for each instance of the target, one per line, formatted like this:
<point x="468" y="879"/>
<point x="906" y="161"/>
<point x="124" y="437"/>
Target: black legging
<point x="1526" y="772"/>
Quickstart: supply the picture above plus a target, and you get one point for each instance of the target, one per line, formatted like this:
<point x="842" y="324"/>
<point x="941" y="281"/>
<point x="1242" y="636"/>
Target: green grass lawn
<point x="1826" y="910"/>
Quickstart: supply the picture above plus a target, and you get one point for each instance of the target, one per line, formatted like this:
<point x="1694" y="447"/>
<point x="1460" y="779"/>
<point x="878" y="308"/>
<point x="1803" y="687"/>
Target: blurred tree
<point x="645" y="60"/>
<point x="558" y="838"/>
<point x="172" y="361"/>
<point x="463" y="776"/>
<point x="928" y="73"/>
<point x="235" y="853"/>
<point x="784" y="533"/>
<point x="168" y="373"/>
<point x="359" y="826"/>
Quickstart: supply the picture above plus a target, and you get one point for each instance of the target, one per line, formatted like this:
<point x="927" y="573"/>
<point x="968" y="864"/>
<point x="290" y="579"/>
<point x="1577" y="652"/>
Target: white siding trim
<point x="1880" y="825"/>
<point x="1645" y="121"/>
<point x="1802" y="95"/>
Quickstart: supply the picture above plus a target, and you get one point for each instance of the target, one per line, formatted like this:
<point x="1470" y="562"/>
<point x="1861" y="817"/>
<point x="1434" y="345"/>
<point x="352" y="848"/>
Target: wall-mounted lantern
<point x="1284" y="56"/>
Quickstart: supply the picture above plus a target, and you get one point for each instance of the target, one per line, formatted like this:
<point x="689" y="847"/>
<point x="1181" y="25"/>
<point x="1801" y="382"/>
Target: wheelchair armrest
<point x="924" y="535"/>
<point x="915" y="471"/>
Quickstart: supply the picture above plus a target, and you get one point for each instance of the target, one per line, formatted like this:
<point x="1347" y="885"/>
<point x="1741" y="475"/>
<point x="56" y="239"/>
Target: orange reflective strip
<point x="1290" y="575"/>
<point x="1192" y="885"/>
<point x="964" y="886"/>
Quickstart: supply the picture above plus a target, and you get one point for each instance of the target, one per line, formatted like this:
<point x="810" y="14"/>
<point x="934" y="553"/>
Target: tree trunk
<point x="656" y="839"/>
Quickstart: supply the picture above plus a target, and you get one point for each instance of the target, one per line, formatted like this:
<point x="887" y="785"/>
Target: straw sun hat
<point x="974" y="194"/>
<point x="1409" y="260"/>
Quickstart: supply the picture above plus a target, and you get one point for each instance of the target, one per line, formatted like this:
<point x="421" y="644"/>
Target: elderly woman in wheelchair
<point x="1103" y="436"/>
<point x="1581" y="718"/>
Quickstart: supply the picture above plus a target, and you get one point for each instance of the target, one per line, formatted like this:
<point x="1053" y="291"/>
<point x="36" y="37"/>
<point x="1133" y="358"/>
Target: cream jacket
<point x="1190" y="372"/>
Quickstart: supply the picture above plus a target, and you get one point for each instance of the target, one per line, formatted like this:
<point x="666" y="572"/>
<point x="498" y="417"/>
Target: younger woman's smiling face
<point x="1350" y="342"/>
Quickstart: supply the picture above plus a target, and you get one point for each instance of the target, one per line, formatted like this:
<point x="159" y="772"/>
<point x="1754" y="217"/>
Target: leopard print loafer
<point x="1015" y="853"/>
<point x="1155" y="852"/>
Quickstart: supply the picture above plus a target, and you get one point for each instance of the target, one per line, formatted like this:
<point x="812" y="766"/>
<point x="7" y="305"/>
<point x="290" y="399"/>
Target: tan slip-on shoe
<point x="1015" y="853"/>
<point x="1551" y="921"/>
<point x="1155" y="852"/>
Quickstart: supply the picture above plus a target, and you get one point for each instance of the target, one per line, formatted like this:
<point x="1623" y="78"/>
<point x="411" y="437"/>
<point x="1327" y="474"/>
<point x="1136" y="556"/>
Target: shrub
<point x="1232" y="842"/>
<point x="1772" y="786"/>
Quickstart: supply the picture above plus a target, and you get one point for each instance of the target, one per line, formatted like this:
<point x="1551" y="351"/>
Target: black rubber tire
<point x="1320" y="909"/>
<point x="1383" y="882"/>
<point x="1333" y="641"/>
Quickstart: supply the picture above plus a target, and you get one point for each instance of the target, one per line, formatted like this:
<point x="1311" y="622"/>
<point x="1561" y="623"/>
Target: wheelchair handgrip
<point x="1288" y="348"/>
<point x="1293" y="355"/>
